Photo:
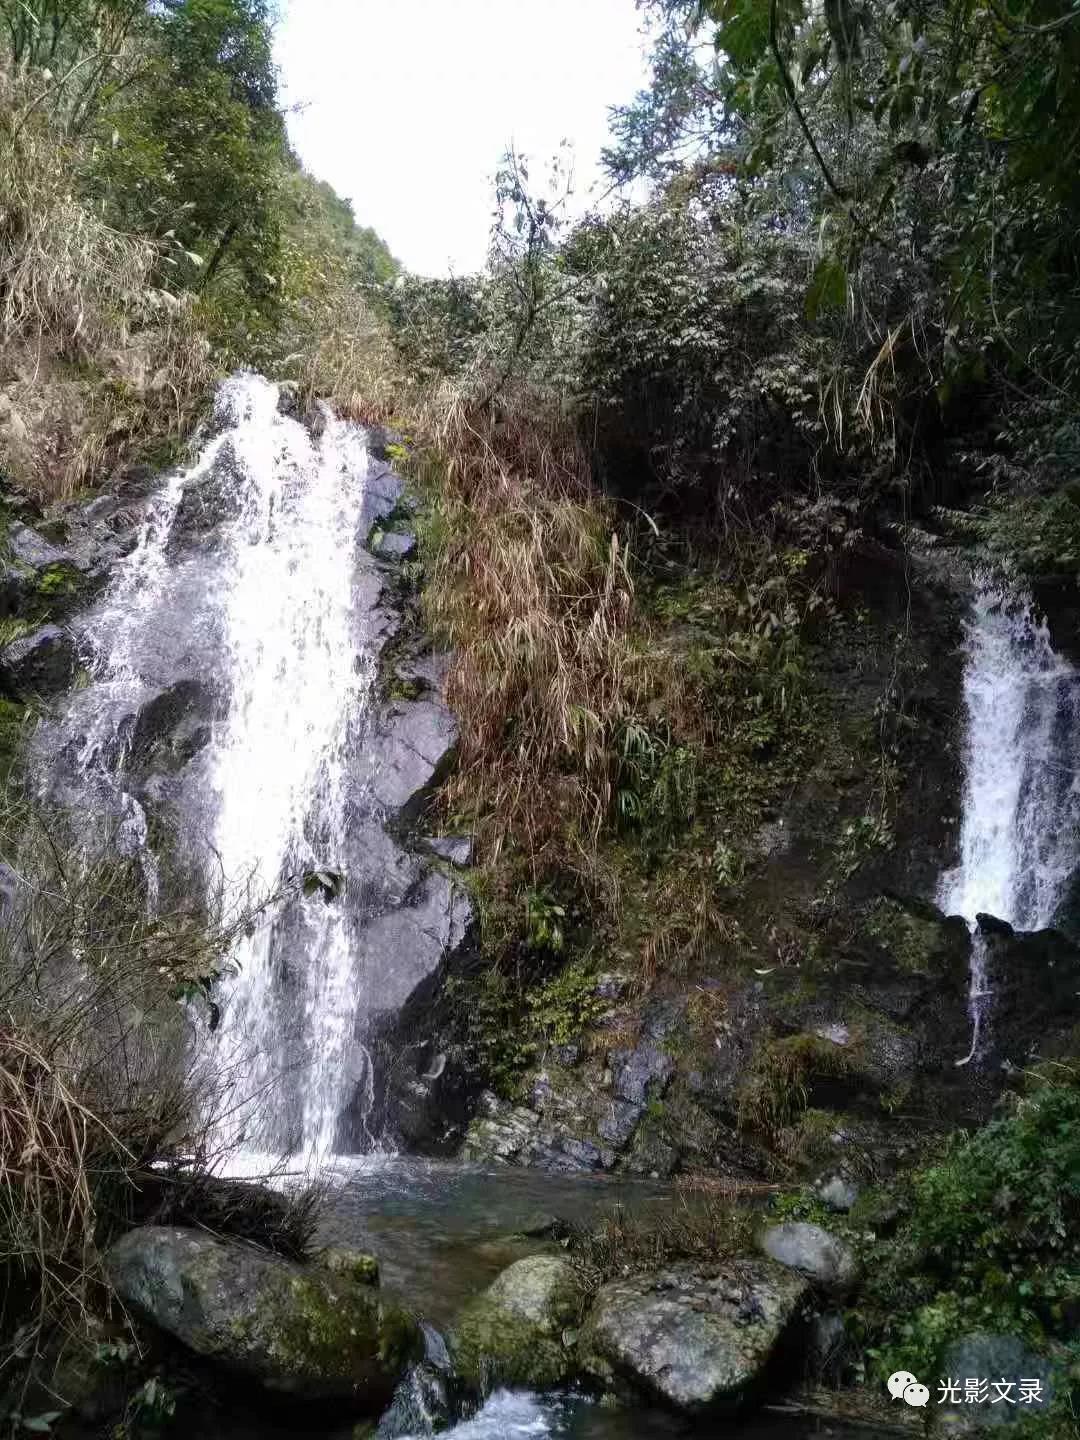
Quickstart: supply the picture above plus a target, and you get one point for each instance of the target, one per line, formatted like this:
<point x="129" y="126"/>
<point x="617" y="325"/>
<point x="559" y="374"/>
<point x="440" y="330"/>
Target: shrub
<point x="703" y="1224"/>
<point x="991" y="1240"/>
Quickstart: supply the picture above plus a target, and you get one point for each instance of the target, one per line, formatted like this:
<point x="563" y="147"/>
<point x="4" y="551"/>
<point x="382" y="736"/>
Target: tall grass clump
<point x="529" y="582"/>
<point x="102" y="1085"/>
<point x="98" y="360"/>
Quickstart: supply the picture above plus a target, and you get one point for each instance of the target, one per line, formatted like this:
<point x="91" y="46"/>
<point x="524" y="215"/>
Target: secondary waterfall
<point x="1020" y="831"/>
<point x="237" y="608"/>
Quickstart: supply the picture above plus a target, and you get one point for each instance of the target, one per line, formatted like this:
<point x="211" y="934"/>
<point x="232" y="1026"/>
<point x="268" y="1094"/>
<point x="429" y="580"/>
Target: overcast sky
<point x="408" y="104"/>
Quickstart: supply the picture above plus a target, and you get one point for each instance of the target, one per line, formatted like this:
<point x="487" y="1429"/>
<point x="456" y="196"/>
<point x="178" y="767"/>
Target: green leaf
<point x="828" y="287"/>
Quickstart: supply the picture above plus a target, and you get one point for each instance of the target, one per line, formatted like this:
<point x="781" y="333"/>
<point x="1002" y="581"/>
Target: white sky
<point x="408" y="105"/>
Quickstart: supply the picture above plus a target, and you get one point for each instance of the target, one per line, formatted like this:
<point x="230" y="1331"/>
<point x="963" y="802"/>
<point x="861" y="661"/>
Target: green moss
<point x="355" y="1265"/>
<point x="313" y="1334"/>
<point x="513" y="1334"/>
<point x="776" y="1090"/>
<point x="57" y="580"/>
<point x="915" y="939"/>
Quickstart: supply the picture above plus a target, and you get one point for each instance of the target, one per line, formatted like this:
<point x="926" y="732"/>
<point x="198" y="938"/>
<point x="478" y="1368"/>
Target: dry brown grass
<point x="101" y="1079"/>
<point x="345" y="354"/>
<point x="704" y="1224"/>
<point x="94" y="357"/>
<point x="529" y="582"/>
<point x="64" y="273"/>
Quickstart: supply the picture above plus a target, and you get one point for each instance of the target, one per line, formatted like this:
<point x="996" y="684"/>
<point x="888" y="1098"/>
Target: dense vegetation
<point x="653" y="446"/>
<point x="816" y="339"/>
<point x="155" y="229"/>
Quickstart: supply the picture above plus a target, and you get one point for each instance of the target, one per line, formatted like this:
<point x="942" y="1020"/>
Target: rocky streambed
<point x="441" y="1295"/>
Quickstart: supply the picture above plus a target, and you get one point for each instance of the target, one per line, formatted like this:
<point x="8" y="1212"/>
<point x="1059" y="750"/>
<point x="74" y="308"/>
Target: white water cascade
<point x="256" y="618"/>
<point x="1020" y="831"/>
<point x="278" y="761"/>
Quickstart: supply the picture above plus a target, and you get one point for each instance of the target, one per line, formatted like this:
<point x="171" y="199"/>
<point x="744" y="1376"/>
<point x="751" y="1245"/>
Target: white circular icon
<point x="899" y="1382"/>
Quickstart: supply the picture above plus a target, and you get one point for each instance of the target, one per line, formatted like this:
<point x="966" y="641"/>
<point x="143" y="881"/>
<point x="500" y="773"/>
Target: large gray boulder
<point x="309" y="1333"/>
<point x="400" y="952"/>
<point x="821" y="1257"/>
<point x="519" y="1331"/>
<point x="698" y="1338"/>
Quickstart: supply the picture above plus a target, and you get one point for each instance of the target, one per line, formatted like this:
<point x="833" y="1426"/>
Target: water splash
<point x="1021" y="803"/>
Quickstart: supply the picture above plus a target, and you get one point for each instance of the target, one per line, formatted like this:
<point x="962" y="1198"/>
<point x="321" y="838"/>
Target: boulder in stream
<point x="699" y="1338"/>
<point x="520" y="1330"/>
<point x="294" y="1330"/>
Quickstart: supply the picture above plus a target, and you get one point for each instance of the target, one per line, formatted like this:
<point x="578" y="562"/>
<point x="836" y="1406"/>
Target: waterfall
<point x="1021" y="803"/>
<point x="239" y="599"/>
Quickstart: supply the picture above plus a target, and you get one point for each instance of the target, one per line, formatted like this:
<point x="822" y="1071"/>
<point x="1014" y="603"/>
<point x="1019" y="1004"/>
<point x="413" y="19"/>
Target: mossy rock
<point x="518" y="1332"/>
<point x="291" y="1329"/>
<point x="355" y="1265"/>
<point x="917" y="936"/>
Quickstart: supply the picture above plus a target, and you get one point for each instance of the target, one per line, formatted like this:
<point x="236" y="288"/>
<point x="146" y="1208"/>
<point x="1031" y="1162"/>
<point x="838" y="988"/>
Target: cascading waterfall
<point x="257" y="618"/>
<point x="1021" y="805"/>
<point x="279" y="761"/>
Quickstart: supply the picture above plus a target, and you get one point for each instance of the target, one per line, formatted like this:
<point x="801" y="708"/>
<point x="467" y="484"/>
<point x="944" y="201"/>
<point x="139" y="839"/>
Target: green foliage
<point x="544" y="920"/>
<point x="914" y="166"/>
<point x="991" y="1240"/>
<point x="693" y="356"/>
<point x="562" y="1009"/>
<point x="858" y="839"/>
<point x="1039" y="534"/>
<point x="153" y="223"/>
<point x="195" y="148"/>
<point x="510" y="1024"/>
<point x="656" y="782"/>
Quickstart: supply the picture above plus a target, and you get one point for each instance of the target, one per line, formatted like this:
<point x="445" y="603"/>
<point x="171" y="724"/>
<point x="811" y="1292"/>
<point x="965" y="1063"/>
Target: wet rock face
<point x="296" y="1331"/>
<point x="205" y="506"/>
<point x="586" y="1114"/>
<point x="394" y="545"/>
<point x="881" y="1015"/>
<point x="172" y="727"/>
<point x="700" y="1339"/>
<point x="402" y="950"/>
<point x="41" y="663"/>
<point x="409" y="753"/>
<point x="135" y="751"/>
